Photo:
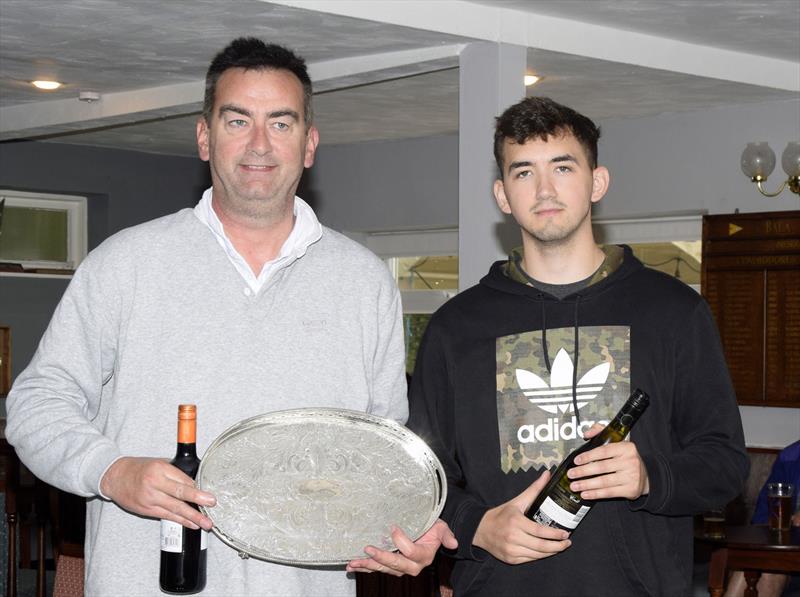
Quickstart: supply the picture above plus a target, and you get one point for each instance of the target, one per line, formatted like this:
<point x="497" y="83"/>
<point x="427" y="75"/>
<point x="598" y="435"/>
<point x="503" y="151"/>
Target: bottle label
<point x="551" y="514"/>
<point x="171" y="536"/>
<point x="203" y="539"/>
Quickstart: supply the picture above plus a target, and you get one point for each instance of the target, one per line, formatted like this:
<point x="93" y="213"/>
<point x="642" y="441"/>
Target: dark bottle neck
<point x="186" y="451"/>
<point x="625" y="419"/>
<point x="630" y="412"/>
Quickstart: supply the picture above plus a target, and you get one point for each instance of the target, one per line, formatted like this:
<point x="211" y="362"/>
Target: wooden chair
<point x="31" y="507"/>
<point x="69" y="576"/>
<point x="68" y="528"/>
<point x="26" y="517"/>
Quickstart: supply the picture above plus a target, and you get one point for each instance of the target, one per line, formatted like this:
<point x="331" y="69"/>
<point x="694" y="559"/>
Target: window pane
<point x="428" y="273"/>
<point x="33" y="234"/>
<point x="414" y="325"/>
<point x="680" y="259"/>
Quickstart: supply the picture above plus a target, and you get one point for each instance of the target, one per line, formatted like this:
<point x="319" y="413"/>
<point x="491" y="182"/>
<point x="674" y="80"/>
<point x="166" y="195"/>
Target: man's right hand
<point x="153" y="487"/>
<point x="511" y="537"/>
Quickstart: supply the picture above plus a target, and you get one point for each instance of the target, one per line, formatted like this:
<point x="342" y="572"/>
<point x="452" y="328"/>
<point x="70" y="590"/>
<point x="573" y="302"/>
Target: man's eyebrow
<point x="245" y="112"/>
<point x="285" y="112"/>
<point x="234" y="108"/>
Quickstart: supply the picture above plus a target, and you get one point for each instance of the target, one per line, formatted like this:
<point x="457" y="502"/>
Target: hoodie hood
<point x="509" y="276"/>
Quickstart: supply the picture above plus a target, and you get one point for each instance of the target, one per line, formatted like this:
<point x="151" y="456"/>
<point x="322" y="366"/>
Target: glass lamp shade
<point x="790" y="160"/>
<point x="758" y="160"/>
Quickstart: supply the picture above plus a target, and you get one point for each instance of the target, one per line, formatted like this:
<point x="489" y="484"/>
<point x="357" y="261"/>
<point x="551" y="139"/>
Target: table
<point x="753" y="549"/>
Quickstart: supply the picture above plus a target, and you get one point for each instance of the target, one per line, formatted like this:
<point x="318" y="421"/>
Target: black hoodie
<point x="497" y="411"/>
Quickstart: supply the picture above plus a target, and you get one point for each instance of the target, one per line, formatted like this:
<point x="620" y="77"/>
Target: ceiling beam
<point x="66" y="115"/>
<point x="327" y="75"/>
<point x="505" y="25"/>
<point x="69" y="115"/>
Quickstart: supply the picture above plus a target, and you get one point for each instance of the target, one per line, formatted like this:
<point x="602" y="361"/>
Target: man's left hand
<point x="616" y="471"/>
<point x="413" y="556"/>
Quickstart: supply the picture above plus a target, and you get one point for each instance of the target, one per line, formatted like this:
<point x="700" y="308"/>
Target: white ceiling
<point x="383" y="69"/>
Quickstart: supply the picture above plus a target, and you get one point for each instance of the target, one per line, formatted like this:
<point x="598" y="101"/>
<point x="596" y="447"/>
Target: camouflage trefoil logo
<point x="557" y="396"/>
<point x="535" y="412"/>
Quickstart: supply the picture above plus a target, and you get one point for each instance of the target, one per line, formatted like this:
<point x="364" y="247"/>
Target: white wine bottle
<point x="557" y="505"/>
<point x="183" y="550"/>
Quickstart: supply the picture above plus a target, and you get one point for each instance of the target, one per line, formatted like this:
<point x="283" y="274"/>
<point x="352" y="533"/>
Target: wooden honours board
<point x="751" y="279"/>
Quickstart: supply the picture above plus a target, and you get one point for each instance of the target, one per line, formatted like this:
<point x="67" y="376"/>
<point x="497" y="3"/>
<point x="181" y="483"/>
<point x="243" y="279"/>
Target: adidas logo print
<point x="557" y="395"/>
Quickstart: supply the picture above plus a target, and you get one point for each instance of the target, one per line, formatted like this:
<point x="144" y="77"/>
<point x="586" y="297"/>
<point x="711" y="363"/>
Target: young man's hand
<point x="616" y="469"/>
<point x="510" y="536"/>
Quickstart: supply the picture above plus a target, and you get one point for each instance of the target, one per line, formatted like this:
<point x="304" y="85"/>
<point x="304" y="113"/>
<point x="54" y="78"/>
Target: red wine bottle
<point x="183" y="550"/>
<point x="557" y="505"/>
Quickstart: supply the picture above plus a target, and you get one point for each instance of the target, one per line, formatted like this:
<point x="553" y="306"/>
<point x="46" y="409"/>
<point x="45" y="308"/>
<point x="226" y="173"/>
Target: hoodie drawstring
<point x="544" y="336"/>
<point x="575" y="353"/>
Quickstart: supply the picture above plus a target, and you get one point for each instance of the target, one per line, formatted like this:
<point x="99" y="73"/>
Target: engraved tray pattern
<point x="316" y="486"/>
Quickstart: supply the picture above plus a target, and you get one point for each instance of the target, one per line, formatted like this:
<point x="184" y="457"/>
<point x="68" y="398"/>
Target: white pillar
<point x="490" y="80"/>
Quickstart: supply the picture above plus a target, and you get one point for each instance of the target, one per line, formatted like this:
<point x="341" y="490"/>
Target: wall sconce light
<point x="758" y="162"/>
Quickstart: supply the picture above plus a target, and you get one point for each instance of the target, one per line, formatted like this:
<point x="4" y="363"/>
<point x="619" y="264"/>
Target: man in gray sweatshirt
<point x="242" y="305"/>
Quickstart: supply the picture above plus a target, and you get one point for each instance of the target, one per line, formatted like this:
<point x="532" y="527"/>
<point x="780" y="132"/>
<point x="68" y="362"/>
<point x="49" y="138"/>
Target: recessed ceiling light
<point x="531" y="79"/>
<point x="46" y="85"/>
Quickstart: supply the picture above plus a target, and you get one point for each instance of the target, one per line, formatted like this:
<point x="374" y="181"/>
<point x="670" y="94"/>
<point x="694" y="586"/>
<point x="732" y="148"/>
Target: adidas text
<point x="552" y="431"/>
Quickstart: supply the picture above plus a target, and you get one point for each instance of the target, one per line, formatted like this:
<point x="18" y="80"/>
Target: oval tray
<point x="314" y="486"/>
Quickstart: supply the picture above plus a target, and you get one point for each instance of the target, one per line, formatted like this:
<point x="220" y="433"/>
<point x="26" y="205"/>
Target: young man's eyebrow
<point x="520" y="164"/>
<point x="567" y="157"/>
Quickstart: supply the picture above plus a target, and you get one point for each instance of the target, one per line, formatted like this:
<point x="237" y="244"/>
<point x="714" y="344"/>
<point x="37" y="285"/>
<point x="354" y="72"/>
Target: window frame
<point x="686" y="226"/>
<point x="77" y="228"/>
<point x="650" y="229"/>
<point x="390" y="245"/>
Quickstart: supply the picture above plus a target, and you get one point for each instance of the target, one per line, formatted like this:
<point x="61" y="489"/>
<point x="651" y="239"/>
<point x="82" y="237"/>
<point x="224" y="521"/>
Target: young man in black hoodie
<point x="514" y="372"/>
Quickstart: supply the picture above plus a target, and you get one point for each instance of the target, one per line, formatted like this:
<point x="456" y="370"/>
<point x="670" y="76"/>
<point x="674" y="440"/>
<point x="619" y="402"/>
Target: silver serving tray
<point x="314" y="486"/>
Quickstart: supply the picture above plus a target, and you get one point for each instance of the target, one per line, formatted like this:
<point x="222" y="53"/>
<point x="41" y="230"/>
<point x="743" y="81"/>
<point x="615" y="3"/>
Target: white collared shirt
<point x="306" y="231"/>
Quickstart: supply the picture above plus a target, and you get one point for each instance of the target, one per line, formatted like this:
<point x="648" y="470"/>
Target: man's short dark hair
<point x="251" y="53"/>
<point x="540" y="118"/>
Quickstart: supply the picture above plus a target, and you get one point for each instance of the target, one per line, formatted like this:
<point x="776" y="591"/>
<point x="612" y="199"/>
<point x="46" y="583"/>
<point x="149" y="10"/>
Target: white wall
<point x="770" y="427"/>
<point x="690" y="161"/>
<point x="386" y="186"/>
